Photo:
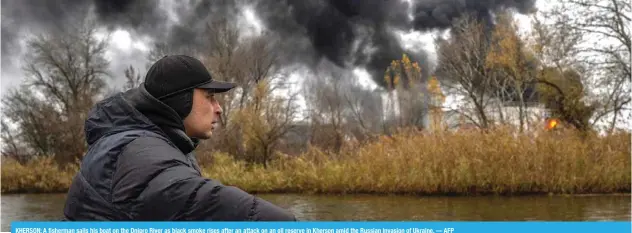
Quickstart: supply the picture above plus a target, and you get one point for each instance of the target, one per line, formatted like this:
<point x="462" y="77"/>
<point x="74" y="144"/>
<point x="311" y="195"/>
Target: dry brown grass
<point x="411" y="163"/>
<point x="463" y="163"/>
<point x="41" y="175"/>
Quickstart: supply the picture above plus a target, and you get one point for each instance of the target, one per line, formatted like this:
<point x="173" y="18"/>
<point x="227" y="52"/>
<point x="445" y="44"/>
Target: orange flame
<point x="551" y="123"/>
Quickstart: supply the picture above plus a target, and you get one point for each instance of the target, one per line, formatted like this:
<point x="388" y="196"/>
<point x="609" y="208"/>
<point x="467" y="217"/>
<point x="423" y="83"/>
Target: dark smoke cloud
<point x="433" y="14"/>
<point x="333" y="26"/>
<point x="141" y="15"/>
<point x="348" y="33"/>
<point x="29" y="16"/>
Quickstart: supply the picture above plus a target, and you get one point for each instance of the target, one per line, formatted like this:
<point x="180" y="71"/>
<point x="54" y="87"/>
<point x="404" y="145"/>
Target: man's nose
<point x="218" y="108"/>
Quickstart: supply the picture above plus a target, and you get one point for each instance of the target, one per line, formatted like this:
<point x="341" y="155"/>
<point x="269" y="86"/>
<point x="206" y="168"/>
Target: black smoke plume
<point x="349" y="33"/>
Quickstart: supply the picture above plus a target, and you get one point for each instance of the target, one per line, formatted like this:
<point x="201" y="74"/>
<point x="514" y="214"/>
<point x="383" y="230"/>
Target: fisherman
<point x="140" y="164"/>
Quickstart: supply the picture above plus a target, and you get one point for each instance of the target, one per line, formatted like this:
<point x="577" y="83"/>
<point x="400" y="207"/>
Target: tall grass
<point x="463" y="163"/>
<point x="497" y="162"/>
<point x="41" y="175"/>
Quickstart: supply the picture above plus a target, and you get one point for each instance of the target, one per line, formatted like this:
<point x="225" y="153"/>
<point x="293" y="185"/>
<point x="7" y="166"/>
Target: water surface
<point x="44" y="207"/>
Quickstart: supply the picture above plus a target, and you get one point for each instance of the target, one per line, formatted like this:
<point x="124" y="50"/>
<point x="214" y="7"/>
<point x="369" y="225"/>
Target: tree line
<point x="576" y="64"/>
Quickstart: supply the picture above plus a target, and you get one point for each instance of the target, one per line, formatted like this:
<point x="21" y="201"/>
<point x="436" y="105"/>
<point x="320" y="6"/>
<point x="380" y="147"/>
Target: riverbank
<point x="467" y="163"/>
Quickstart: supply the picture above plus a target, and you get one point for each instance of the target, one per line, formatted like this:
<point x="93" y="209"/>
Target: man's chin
<point x="206" y="135"/>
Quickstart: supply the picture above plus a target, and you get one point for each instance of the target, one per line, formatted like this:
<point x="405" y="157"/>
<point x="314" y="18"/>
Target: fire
<point x="552" y="123"/>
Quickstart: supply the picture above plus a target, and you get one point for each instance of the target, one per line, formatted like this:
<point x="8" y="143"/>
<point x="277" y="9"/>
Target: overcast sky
<point x="127" y="49"/>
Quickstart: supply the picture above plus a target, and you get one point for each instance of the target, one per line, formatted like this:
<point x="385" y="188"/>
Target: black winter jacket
<point x="140" y="167"/>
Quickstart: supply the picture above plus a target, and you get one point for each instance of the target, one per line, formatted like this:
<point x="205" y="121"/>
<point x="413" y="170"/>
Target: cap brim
<point x="218" y="86"/>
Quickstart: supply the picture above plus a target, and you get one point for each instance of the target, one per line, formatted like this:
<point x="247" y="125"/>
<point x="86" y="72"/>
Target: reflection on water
<point x="367" y="207"/>
<point x="31" y="207"/>
<point x="490" y="208"/>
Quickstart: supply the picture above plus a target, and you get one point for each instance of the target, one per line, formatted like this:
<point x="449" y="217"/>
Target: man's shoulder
<point x="150" y="142"/>
<point x="130" y="141"/>
<point x="151" y="146"/>
<point x="124" y="138"/>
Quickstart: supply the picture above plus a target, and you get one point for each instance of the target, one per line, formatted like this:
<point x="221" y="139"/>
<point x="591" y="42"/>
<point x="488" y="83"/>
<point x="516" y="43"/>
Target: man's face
<point x="205" y="115"/>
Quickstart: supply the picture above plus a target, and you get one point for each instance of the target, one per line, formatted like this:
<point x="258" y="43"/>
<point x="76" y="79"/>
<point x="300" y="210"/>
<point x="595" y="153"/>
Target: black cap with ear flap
<point x="173" y="78"/>
<point x="176" y="74"/>
<point x="182" y="103"/>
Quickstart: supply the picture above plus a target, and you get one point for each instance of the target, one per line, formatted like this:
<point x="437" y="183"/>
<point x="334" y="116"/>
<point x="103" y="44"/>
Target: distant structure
<point x="414" y="100"/>
<point x="502" y="110"/>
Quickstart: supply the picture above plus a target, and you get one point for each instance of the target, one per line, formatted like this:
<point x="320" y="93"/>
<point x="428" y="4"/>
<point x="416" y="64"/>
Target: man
<point x="140" y="164"/>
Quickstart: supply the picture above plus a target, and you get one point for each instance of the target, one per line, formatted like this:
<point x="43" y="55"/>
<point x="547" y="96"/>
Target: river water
<point x="43" y="207"/>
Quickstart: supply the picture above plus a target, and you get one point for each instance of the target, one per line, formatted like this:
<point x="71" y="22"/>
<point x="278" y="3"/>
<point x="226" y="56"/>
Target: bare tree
<point x="245" y="61"/>
<point x="133" y="78"/>
<point x="161" y="49"/>
<point x="264" y="121"/>
<point x="365" y="117"/>
<point x="603" y="32"/>
<point x="66" y="74"/>
<point x="339" y="109"/>
<point x="463" y="72"/>
<point x="221" y="59"/>
<point x="327" y="109"/>
<point x="561" y="77"/>
<point x="514" y="66"/>
<point x="13" y="147"/>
